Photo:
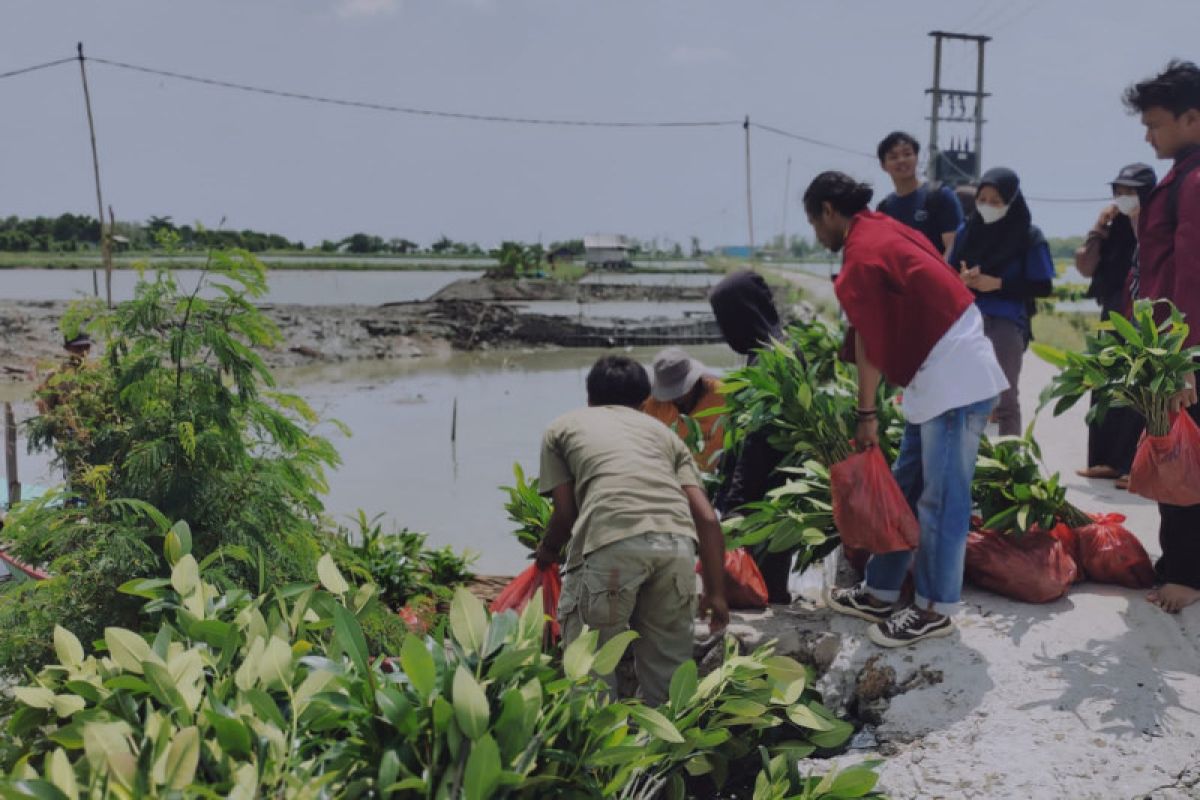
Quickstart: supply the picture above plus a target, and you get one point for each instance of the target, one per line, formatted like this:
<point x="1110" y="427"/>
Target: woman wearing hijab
<point x="1106" y="257"/>
<point x="1004" y="259"/>
<point x="746" y="315"/>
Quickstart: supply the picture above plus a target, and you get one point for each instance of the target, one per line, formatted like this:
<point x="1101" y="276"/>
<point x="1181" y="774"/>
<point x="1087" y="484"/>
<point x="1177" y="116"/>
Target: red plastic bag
<point x="1034" y="568"/>
<point x="869" y="509"/>
<point x="744" y="584"/>
<point x="1167" y="468"/>
<point x="1110" y="553"/>
<point x="521" y="590"/>
<point x="1069" y="539"/>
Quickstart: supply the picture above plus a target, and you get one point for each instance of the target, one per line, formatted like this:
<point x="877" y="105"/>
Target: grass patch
<point x="1065" y="331"/>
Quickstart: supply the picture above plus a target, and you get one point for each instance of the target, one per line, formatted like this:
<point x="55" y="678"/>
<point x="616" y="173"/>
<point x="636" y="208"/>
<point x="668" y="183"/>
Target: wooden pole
<point x="10" y="455"/>
<point x="749" y="201"/>
<point x="105" y="251"/>
<point x="107" y="256"/>
<point x="454" y="422"/>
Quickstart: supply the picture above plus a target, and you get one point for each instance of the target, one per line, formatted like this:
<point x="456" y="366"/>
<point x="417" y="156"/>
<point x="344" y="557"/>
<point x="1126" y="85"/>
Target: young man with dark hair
<point x="932" y="209"/>
<point x="915" y="324"/>
<point x="1168" y="268"/>
<point x="630" y="510"/>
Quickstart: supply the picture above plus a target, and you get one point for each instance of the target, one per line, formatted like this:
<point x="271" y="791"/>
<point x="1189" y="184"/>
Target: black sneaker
<point x="909" y="625"/>
<point x="857" y="601"/>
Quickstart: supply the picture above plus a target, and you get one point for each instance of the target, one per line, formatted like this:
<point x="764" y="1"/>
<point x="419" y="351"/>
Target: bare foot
<point x="1171" y="597"/>
<point x="1122" y="482"/>
<point x="1100" y="471"/>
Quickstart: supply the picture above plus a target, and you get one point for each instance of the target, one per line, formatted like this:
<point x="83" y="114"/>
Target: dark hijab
<point x="993" y="247"/>
<point x="745" y="311"/>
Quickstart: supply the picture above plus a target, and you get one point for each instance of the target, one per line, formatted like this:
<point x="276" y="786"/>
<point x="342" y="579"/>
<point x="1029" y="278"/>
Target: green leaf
<point x="655" y="724"/>
<point x="609" y="655"/>
<point x="331" y="577"/>
<point x="482" y="773"/>
<point x="128" y="649"/>
<point x="232" y="734"/>
<point x="418" y="665"/>
<point x="60" y="772"/>
<point x="578" y="658"/>
<point x="67" y="647"/>
<point x="854" y="782"/>
<point x="805" y="717"/>
<point x="1126" y="330"/>
<point x="468" y="621"/>
<point x="185" y="576"/>
<point x="178" y="542"/>
<point x="683" y="685"/>
<point x="470" y="704"/>
<point x="182" y="758"/>
<point x="149" y="588"/>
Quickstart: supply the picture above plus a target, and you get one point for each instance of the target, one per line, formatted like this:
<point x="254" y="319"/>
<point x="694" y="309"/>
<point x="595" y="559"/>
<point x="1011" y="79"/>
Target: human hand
<point x="1185" y="398"/>
<point x="544" y="556"/>
<point x="866" y="434"/>
<point x="716" y="610"/>
<point x="1109" y="213"/>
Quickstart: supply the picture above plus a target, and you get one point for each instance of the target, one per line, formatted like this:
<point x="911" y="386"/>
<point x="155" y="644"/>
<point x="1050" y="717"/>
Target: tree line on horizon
<point x="71" y="233"/>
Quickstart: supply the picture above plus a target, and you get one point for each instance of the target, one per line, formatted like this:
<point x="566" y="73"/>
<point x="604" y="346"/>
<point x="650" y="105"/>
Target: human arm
<point x="712" y="558"/>
<point x="1087" y="257"/>
<point x="558" y="531"/>
<point x="950" y="218"/>
<point x="866" y="433"/>
<point x="1034" y="279"/>
<point x="1185" y="294"/>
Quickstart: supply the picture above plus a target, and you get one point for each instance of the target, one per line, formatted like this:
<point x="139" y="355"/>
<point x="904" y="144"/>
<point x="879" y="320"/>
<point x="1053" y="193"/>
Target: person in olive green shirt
<point x="630" y="510"/>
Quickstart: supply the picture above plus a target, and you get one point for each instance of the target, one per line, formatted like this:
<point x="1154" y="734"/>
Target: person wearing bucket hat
<point x="1107" y="257"/>
<point x="1004" y="259"/>
<point x="680" y="385"/>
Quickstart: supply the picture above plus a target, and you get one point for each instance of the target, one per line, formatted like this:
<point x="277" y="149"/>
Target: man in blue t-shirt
<point x="932" y="209"/>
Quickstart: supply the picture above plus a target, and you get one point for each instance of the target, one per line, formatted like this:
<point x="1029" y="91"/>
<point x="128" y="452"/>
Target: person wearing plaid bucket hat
<point x="681" y="385"/>
<point x="1106" y="257"/>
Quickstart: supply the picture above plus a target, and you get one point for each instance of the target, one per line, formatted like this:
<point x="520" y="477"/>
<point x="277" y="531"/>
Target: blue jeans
<point x="935" y="468"/>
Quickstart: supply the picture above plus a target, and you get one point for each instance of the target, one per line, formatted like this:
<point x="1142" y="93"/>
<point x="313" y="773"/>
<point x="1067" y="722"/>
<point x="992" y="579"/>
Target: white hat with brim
<point x="674" y="374"/>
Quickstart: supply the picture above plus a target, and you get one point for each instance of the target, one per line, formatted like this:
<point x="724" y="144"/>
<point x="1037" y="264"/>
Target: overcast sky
<point x="842" y="71"/>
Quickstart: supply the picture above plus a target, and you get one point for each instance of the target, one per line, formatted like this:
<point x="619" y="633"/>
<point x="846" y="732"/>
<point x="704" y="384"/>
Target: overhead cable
<point x="810" y="140"/>
<point x="425" y="112"/>
<point x="35" y="67"/>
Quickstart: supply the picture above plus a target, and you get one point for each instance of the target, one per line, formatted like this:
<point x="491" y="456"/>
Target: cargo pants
<point x="646" y="583"/>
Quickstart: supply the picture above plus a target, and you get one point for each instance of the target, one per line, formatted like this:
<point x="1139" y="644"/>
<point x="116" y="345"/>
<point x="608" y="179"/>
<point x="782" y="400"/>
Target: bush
<point x="239" y="695"/>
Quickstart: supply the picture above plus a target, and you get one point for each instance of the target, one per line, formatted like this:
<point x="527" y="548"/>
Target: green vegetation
<point x="1137" y="363"/>
<point x="1011" y="492"/>
<point x="527" y="509"/>
<point x="238" y="694"/>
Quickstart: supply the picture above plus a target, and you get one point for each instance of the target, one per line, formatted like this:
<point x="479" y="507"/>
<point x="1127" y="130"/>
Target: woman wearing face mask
<point x="1106" y="257"/>
<point x="1004" y="259"/>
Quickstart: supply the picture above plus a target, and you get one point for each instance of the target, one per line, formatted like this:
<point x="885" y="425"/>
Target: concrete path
<point x="1096" y="695"/>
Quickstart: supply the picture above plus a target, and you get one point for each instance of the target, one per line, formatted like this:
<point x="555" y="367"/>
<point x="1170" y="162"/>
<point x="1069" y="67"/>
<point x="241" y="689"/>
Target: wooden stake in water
<point x="10" y="455"/>
<point x="454" y="422"/>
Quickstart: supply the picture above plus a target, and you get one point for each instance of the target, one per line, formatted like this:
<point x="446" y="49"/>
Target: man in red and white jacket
<point x="915" y="324"/>
<point x="1168" y="268"/>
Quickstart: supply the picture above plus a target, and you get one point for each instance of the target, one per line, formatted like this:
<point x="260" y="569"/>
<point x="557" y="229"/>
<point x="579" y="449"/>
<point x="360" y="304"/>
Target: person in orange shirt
<point x="682" y="385"/>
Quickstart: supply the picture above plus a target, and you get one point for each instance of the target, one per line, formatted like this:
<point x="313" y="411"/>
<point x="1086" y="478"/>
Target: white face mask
<point x="1127" y="203"/>
<point x="991" y="214"/>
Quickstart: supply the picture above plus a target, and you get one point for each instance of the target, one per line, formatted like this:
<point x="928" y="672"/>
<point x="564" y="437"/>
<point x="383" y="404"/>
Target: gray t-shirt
<point x="629" y="471"/>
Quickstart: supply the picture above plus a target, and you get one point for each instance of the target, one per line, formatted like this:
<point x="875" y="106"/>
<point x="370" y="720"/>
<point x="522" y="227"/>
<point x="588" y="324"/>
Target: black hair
<point x="846" y="195"/>
<point x="1177" y="89"/>
<point x="894" y="138"/>
<point x="617" y="381"/>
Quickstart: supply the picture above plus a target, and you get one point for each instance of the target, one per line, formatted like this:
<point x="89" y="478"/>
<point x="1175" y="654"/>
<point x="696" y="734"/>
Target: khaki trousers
<point x="646" y="583"/>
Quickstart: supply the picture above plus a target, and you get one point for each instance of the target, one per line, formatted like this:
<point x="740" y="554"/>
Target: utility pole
<point x="956" y="164"/>
<point x="787" y="188"/>
<point x="105" y="238"/>
<point x="749" y="201"/>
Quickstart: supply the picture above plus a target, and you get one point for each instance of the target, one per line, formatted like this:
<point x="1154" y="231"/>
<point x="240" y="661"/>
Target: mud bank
<point x="30" y="337"/>
<point x="543" y="290"/>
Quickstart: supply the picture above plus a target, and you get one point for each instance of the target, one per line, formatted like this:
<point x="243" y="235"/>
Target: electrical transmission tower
<point x="960" y="161"/>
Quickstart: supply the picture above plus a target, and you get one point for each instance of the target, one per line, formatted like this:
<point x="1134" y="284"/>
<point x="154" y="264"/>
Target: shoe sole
<point x="876" y="635"/>
<point x="850" y="611"/>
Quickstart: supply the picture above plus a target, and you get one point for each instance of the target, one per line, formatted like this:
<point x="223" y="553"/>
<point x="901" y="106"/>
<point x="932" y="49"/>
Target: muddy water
<point x="308" y="287"/>
<point x="400" y="460"/>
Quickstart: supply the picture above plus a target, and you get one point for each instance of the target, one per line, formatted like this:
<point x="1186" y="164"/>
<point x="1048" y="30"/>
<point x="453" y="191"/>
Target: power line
<point x="810" y="140"/>
<point x="1069" y="199"/>
<point x="36" y="67"/>
<point x="424" y="112"/>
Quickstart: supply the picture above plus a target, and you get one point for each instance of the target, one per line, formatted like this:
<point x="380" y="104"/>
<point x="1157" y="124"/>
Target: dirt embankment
<point x="541" y="289"/>
<point x="30" y="339"/>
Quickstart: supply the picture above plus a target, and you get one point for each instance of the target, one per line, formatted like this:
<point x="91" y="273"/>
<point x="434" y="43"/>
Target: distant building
<point x="606" y="251"/>
<point x="735" y="251"/>
<point x="560" y="256"/>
